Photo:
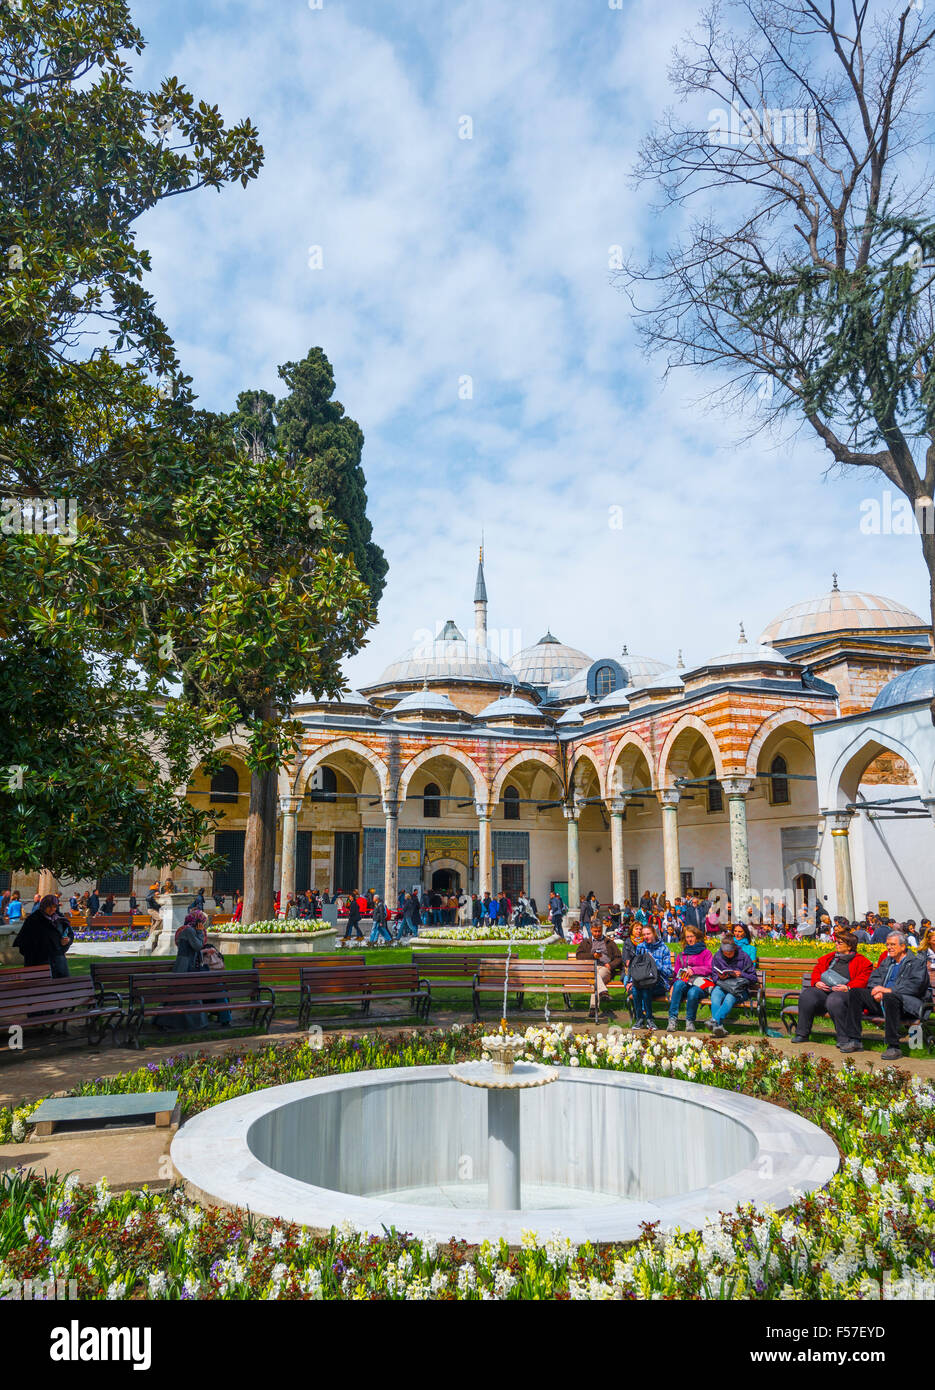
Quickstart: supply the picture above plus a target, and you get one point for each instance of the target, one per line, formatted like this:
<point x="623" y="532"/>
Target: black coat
<point x="40" y="942"/>
<point x="911" y="984"/>
<point x="353" y="913"/>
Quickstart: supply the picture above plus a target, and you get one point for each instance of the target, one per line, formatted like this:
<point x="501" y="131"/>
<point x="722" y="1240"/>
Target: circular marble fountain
<point x="410" y="1148"/>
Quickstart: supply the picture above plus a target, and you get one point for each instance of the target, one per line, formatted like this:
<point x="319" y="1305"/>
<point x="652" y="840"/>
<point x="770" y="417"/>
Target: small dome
<point x="571" y="716"/>
<point x="666" y="680"/>
<point x="617" y="699"/>
<point x="747" y="654"/>
<point x="840" y="610"/>
<point x="426" y="701"/>
<point x="347" y="699"/>
<point x="636" y="670"/>
<point x="510" y="707"/>
<point x="548" y="661"/>
<point x="917" y="684"/>
<point x="449" y="657"/>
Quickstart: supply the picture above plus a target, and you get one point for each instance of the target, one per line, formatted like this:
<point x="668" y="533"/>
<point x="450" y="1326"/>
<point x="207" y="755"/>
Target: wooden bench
<point x="43" y="1003"/>
<point x="362" y="984"/>
<point x="447" y="970"/>
<point x="154" y="996"/>
<point x="283" y="973"/>
<point x="113" y="977"/>
<point x="534" y="977"/>
<point x="23" y="974"/>
<point x="789" y="1013"/>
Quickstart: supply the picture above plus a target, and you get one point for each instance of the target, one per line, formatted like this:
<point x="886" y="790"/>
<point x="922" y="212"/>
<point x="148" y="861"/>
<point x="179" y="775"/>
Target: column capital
<point x="737" y="786"/>
<point x="483" y="810"/>
<point x="617" y="805"/>
<point x="290" y="805"/>
<point x="840" y="821"/>
<point x="390" y="806"/>
<point x="571" y="812"/>
<point x="668" y="796"/>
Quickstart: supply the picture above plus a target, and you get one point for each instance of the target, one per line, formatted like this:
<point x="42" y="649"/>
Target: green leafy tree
<point x="312" y="431"/>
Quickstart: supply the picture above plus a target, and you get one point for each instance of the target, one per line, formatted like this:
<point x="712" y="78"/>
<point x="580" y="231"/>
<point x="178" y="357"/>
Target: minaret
<point x="480" y="602"/>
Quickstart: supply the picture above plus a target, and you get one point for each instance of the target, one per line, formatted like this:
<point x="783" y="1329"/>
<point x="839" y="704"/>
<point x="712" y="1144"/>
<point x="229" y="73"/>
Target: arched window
<point x="323" y="784"/>
<point x="778" y="782"/>
<point x="225" y="785"/>
<point x="605" y="680"/>
<point x="510" y="804"/>
<point x="715" y="799"/>
<point x="431" y="804"/>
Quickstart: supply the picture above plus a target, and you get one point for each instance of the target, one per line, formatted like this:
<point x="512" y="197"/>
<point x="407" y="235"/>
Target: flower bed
<point x="113" y="934"/>
<point x="869" y="1234"/>
<point x="491" y="933"/>
<point x="295" y="926"/>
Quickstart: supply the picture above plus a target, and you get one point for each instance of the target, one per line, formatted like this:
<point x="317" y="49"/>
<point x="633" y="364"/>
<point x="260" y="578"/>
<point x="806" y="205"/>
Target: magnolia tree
<point x="803" y="278"/>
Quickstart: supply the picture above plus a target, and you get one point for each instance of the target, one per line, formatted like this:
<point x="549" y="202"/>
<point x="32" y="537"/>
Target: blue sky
<point x="445" y="258"/>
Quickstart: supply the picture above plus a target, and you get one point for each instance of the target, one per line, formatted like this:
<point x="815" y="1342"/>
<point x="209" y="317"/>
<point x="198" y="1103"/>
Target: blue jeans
<point x="692" y="996"/>
<point x="408" y="928"/>
<point x="722" y="1003"/>
<point x="379" y="929"/>
<point x="357" y="929"/>
<point x="643" y="1000"/>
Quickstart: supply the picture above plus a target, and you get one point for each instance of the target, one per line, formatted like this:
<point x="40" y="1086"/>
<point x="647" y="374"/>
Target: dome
<point x="349" y="699"/>
<point x="449" y="657"/>
<point x="426" y="701"/>
<point x="840" y="610"/>
<point x="917" y="684"/>
<point x="548" y="661"/>
<point x="640" y="668"/>
<point x="747" y="654"/>
<point x="617" y="699"/>
<point x="636" y="671"/>
<point x="510" y="707"/>
<point x="666" y="680"/>
<point x="571" y="716"/>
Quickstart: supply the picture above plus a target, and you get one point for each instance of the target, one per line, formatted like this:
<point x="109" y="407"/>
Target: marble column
<point x="574" y="873"/>
<point x="485" y="849"/>
<point x="669" y="801"/>
<point x="617" y="862"/>
<point x="736" y="790"/>
<point x="289" y="806"/>
<point x="843" y="882"/>
<point x="391" y="853"/>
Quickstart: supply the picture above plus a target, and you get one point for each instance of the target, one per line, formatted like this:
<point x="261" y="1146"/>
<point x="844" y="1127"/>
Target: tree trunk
<point x="926" y="519"/>
<point x="260" y="847"/>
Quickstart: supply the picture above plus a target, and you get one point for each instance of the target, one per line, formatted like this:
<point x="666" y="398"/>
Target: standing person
<point x="108" y="905"/>
<point x="353" y="919"/>
<point x="587" y="914"/>
<point x="646" y="905"/>
<point x="198" y="902"/>
<point x="94" y="905"/>
<point x="712" y="921"/>
<point x="238" y="907"/>
<point x="72" y="902"/>
<point x="693" y="967"/>
<point x="45" y="936"/>
<point x="649" y="975"/>
<point x="833" y="977"/>
<point x="14" y="911"/>
<point x="219" y="900"/>
<point x="503" y="908"/>
<point x="133" y="906"/>
<point x="694" y="914"/>
<point x="152" y="906"/>
<point x="605" y="953"/>
<point x="734" y="976"/>
<point x="898" y="988"/>
<point x="4" y="902"/>
<point x="556" y="913"/>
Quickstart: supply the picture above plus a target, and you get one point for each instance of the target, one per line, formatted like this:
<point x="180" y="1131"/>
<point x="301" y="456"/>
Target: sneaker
<point x="893" y="1054"/>
<point x="690" y="1026"/>
<point x="719" y="1030"/>
<point x="672" y="1025"/>
<point x="798" y="1040"/>
<point x="850" y="1047"/>
<point x="650" y="1023"/>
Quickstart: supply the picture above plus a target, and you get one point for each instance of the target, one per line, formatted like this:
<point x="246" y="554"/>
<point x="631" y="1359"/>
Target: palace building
<point x="774" y="766"/>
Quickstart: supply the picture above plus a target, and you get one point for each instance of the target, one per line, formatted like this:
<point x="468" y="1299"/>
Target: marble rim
<point x="211" y="1155"/>
<point x="523" y="1076"/>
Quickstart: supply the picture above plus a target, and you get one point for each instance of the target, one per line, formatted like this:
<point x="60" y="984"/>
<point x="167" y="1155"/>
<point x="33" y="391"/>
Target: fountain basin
<point x="602" y="1152"/>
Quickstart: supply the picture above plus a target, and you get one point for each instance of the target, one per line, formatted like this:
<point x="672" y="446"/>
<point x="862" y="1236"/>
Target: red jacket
<point x="858" y="970"/>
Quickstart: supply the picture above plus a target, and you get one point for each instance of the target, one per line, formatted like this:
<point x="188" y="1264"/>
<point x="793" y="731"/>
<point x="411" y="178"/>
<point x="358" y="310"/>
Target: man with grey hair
<point x="898" y="989"/>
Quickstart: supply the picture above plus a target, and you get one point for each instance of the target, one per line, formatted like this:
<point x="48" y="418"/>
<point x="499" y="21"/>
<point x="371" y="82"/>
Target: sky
<point x="443" y="188"/>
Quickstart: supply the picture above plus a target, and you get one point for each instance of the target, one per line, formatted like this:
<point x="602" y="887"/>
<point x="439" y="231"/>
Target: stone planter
<point x="274" y="944"/>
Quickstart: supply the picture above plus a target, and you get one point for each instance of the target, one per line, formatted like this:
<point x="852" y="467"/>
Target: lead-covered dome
<point x="547" y="661"/>
<point x="917" y="684"/>
<point x="840" y="610"/>
<point x="449" y="657"/>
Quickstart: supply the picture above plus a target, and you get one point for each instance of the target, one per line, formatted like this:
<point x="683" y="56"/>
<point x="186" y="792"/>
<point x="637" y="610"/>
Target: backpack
<point x="644" y="972"/>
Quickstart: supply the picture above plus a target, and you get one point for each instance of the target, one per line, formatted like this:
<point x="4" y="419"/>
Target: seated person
<point x="648" y="981"/>
<point x="734" y="976"/>
<point x="605" y="951"/>
<point x="833" y="977"/>
<point x="898" y="988"/>
<point x="693" y="964"/>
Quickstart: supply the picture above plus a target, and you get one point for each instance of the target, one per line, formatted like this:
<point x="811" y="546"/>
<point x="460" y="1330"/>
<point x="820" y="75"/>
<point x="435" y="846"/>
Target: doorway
<point x="446" y="881"/>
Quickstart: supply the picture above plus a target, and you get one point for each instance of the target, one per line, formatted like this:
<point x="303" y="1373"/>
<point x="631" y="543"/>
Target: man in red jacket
<point x="833" y="978"/>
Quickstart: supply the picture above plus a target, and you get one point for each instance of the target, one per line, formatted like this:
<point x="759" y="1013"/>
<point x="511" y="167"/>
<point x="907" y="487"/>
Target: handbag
<point x="211" y="958"/>
<point x="738" y="988"/>
<point x="832" y="978"/>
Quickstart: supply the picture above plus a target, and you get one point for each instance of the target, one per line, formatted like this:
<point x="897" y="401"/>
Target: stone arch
<point x="853" y="761"/>
<point x="790" y="715"/>
<point x="341" y="745"/>
<point x="624" y="759"/>
<point x="518" y="760"/>
<point x="584" y="755"/>
<point x="688" y="721"/>
<point x="444" y="750"/>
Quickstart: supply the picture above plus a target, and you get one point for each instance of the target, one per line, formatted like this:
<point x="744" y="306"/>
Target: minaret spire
<point x="480" y="601"/>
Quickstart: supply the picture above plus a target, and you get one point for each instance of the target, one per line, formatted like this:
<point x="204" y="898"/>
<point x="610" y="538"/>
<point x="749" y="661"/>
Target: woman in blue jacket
<point x="642" y="996"/>
<point x="734" y="976"/>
